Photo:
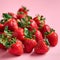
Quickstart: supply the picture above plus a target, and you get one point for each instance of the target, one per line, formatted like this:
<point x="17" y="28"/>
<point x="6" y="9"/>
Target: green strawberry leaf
<point x="7" y="42"/>
<point x="23" y="23"/>
<point x="7" y="32"/>
<point x="47" y="42"/>
<point x="27" y="33"/>
<point x="6" y="16"/>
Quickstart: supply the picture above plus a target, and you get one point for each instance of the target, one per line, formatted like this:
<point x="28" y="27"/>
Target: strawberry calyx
<point x="25" y="8"/>
<point x="51" y="30"/>
<point x="41" y="18"/>
<point x="24" y="22"/>
<point x="6" y="16"/>
<point x="6" y="38"/>
<point x="46" y="41"/>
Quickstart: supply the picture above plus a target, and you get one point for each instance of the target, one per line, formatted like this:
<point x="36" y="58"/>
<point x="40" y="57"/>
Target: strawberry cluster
<point x="21" y="33"/>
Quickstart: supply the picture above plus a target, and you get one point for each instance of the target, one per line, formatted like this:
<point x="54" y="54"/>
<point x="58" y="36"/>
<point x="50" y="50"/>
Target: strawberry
<point x="19" y="33"/>
<point x="21" y="15"/>
<point x="40" y="21"/>
<point x="38" y="36"/>
<point x="12" y="24"/>
<point x="24" y="10"/>
<point x="52" y="37"/>
<point x="45" y="28"/>
<point x="29" y="44"/>
<point x="33" y="25"/>
<point x="1" y="27"/>
<point x="2" y="46"/>
<point x="16" y="48"/>
<point x="41" y="48"/>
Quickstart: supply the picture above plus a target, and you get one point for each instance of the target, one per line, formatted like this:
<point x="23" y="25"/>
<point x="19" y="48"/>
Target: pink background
<point x="50" y="9"/>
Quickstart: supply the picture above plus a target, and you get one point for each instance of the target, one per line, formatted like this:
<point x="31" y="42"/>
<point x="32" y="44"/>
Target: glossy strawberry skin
<point x="33" y="25"/>
<point x="29" y="44"/>
<point x="2" y="47"/>
<point x="1" y="27"/>
<point x="12" y="24"/>
<point x="53" y="38"/>
<point x="20" y="16"/>
<point x="45" y="28"/>
<point x="23" y="10"/>
<point x="41" y="48"/>
<point x="19" y="34"/>
<point x="38" y="36"/>
<point x="16" y="48"/>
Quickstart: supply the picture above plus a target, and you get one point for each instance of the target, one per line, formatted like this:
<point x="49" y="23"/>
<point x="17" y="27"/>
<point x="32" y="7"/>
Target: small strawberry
<point x="41" y="48"/>
<point x="23" y="9"/>
<point x="29" y="44"/>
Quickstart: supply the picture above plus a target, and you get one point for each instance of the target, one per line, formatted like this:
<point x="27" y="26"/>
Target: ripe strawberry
<point x="1" y="27"/>
<point x="40" y="21"/>
<point x="16" y="48"/>
<point x="44" y="29"/>
<point x="33" y="25"/>
<point x="19" y="33"/>
<point x="29" y="44"/>
<point x="41" y="47"/>
<point x="21" y="15"/>
<point x="23" y="9"/>
<point x="2" y="46"/>
<point x="12" y="24"/>
<point x="53" y="38"/>
<point x="38" y="36"/>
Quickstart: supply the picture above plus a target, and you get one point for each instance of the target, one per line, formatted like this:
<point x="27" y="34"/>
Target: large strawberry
<point x="12" y="24"/>
<point x="52" y="37"/>
<point x="41" y="47"/>
<point x="16" y="48"/>
<point x="29" y="44"/>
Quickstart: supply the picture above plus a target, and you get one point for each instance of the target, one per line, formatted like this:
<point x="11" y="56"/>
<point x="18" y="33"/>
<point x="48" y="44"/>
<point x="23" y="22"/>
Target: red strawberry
<point x="53" y="38"/>
<point x="1" y="46"/>
<point x="29" y="44"/>
<point x="1" y="27"/>
<point x="19" y="34"/>
<point x="38" y="36"/>
<point x="33" y="25"/>
<point x="20" y="16"/>
<point x="23" y="9"/>
<point x="39" y="20"/>
<point x="41" y="47"/>
<point x="16" y="48"/>
<point x="12" y="24"/>
<point x="44" y="29"/>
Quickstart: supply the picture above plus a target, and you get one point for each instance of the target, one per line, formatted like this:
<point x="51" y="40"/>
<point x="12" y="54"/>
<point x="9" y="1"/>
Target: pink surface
<point x="50" y="9"/>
